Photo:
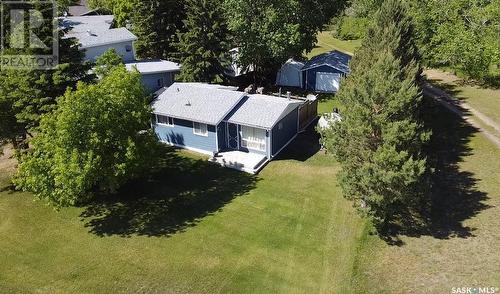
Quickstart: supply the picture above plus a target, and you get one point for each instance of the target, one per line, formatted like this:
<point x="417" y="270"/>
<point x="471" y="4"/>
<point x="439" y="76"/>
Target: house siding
<point x="150" y="81"/>
<point x="288" y="131"/>
<point x="181" y="134"/>
<point x="310" y="75"/>
<point x="93" y="53"/>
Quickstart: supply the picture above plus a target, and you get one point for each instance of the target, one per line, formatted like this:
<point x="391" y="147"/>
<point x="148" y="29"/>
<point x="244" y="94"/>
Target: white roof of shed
<point x="95" y="30"/>
<point x="196" y="102"/>
<point x="262" y="111"/>
<point x="298" y="65"/>
<point x="153" y="66"/>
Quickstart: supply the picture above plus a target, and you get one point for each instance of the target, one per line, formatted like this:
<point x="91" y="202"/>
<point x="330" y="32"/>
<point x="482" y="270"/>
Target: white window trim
<point x="200" y="134"/>
<point x="168" y="118"/>
<point x="245" y="141"/>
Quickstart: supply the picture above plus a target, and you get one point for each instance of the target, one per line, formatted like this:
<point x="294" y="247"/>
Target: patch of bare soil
<point x="7" y="161"/>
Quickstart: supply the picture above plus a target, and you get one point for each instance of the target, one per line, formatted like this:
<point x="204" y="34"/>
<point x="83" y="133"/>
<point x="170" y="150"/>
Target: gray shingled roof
<point x="335" y="58"/>
<point x="153" y="66"/>
<point x="261" y="110"/>
<point x="92" y="31"/>
<point x="196" y="102"/>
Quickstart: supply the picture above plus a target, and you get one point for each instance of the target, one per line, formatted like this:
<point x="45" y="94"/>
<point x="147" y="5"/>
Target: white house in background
<point x="234" y="69"/>
<point x="290" y="74"/>
<point x="96" y="35"/>
<point x="156" y="74"/>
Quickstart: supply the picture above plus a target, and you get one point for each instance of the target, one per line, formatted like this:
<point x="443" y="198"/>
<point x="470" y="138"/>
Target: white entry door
<point x="327" y="82"/>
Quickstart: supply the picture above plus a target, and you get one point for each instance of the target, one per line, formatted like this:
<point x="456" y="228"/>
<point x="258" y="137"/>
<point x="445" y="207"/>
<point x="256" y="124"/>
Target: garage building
<point x="323" y="72"/>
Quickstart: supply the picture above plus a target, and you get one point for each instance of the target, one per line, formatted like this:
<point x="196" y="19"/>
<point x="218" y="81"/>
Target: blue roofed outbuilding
<point x="324" y="72"/>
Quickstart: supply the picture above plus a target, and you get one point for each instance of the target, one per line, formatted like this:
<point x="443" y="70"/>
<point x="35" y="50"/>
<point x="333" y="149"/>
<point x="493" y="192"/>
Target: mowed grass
<point x="485" y="100"/>
<point x="326" y="42"/>
<point x="462" y="247"/>
<point x="192" y="227"/>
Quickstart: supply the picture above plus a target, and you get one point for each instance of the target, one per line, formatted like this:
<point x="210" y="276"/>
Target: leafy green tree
<point x="204" y="46"/>
<point x="93" y="141"/>
<point x="461" y="34"/>
<point x="268" y="32"/>
<point x="107" y="62"/>
<point x="121" y="9"/>
<point x="380" y="138"/>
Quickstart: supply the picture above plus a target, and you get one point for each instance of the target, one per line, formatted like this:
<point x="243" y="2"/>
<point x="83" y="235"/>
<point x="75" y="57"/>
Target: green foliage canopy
<point x="204" y="46"/>
<point x="380" y="138"/>
<point x="93" y="141"/>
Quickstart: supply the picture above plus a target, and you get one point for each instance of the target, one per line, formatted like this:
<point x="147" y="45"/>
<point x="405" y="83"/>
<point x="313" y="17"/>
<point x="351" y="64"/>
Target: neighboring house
<point x="239" y="130"/>
<point x="96" y="35"/>
<point x="323" y="72"/>
<point x="234" y="69"/>
<point x="156" y="74"/>
<point x="290" y="74"/>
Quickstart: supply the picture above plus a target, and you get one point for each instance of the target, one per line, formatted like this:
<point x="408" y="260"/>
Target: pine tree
<point x="156" y="24"/>
<point x="25" y="95"/>
<point x="203" y="47"/>
<point x="380" y="138"/>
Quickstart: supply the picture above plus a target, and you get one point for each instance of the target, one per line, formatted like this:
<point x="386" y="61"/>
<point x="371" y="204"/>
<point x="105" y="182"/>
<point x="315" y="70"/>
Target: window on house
<point x="164" y="120"/>
<point x="160" y="82"/>
<point x="280" y="126"/>
<point x="200" y="129"/>
<point x="128" y="48"/>
<point x="253" y="138"/>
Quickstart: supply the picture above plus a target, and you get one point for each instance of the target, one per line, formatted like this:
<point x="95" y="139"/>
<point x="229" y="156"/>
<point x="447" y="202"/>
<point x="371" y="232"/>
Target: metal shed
<point x="290" y="74"/>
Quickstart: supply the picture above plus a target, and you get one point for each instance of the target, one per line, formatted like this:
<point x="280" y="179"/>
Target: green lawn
<point x="326" y="42"/>
<point x="461" y="247"/>
<point x="191" y="227"/>
<point x="484" y="100"/>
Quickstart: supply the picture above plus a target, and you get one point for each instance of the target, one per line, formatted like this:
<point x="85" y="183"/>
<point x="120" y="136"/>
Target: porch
<point x="242" y="161"/>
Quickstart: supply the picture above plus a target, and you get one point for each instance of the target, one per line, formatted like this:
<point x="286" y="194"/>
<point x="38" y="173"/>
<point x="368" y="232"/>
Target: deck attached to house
<point x="243" y="161"/>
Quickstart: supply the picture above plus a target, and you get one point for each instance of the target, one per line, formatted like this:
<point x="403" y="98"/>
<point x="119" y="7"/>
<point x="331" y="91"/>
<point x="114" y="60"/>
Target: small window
<point x="164" y="120"/>
<point x="128" y="48"/>
<point x="280" y="126"/>
<point x="160" y="82"/>
<point x="200" y="129"/>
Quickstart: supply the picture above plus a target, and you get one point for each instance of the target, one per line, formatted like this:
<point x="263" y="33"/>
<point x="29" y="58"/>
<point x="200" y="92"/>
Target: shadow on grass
<point x="454" y="196"/>
<point x="177" y="195"/>
<point x="305" y="146"/>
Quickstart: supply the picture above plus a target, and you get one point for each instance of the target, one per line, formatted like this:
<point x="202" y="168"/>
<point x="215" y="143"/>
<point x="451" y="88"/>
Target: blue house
<point x="155" y="74"/>
<point x="236" y="129"/>
<point x="323" y="72"/>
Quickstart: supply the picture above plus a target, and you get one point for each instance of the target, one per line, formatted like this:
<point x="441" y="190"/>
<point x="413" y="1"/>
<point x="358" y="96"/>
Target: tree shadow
<point x="176" y="195"/>
<point x="454" y="196"/>
<point x="303" y="147"/>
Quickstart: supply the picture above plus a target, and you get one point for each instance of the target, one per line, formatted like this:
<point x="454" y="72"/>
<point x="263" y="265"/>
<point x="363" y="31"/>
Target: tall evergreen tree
<point x="204" y="47"/>
<point x="157" y="23"/>
<point x="380" y="138"/>
<point x="27" y="94"/>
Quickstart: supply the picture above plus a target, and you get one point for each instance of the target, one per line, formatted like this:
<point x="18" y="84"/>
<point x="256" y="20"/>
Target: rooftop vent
<point x="89" y="32"/>
<point x="188" y="103"/>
